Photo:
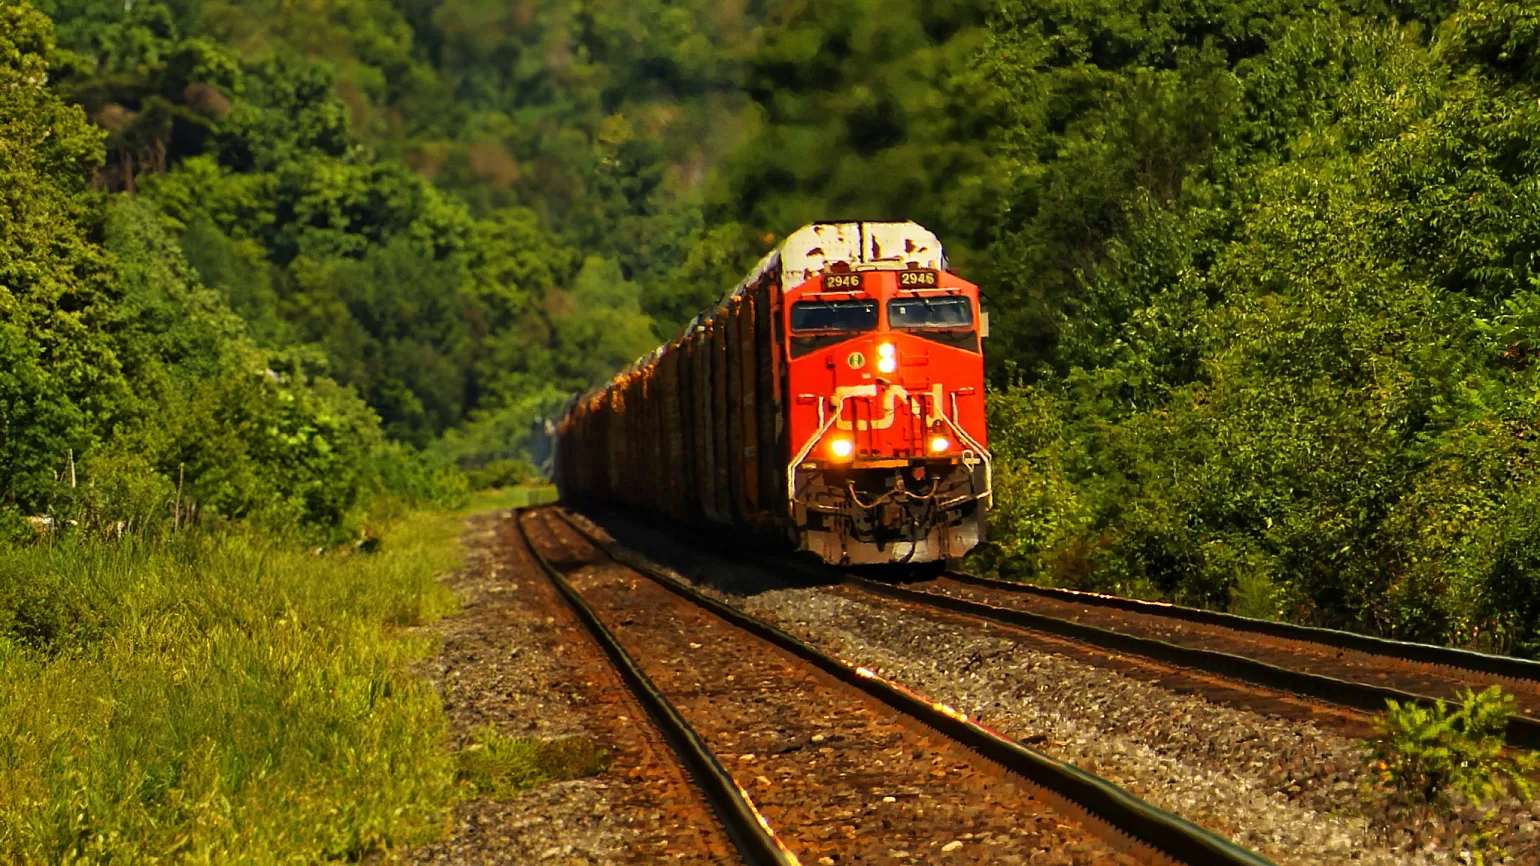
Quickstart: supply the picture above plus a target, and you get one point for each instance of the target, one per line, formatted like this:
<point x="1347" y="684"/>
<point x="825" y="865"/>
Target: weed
<point x="1255" y="595"/>
<point x="571" y="758"/>
<point x="498" y="766"/>
<point x="1426" y="756"/>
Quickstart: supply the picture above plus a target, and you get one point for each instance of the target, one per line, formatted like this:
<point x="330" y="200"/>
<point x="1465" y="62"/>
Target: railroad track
<point x="896" y="772"/>
<point x="745" y="826"/>
<point x="1339" y="668"/>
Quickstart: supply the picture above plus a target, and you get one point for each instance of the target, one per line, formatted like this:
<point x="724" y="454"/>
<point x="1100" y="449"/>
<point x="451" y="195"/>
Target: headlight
<point x="887" y="365"/>
<point x="842" y="448"/>
<point x="939" y="444"/>
<point x="886" y="350"/>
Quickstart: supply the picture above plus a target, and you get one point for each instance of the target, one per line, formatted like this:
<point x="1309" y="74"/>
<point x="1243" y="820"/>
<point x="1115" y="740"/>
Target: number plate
<point x="842" y="281"/>
<point x="917" y="279"/>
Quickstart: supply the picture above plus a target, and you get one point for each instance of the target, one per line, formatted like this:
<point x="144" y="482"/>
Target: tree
<point x="61" y="383"/>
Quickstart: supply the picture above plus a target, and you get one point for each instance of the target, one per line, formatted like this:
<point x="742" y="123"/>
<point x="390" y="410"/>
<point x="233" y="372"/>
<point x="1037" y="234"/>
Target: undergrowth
<point x="221" y="698"/>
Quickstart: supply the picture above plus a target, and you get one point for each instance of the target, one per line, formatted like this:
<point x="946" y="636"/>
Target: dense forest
<point x="1263" y="273"/>
<point x="1272" y="271"/>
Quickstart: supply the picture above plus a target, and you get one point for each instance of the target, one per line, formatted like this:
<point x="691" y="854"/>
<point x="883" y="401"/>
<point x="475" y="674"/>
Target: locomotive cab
<point x="885" y="378"/>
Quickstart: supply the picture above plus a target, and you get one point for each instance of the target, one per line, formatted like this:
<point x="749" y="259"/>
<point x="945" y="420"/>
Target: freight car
<point x="833" y="401"/>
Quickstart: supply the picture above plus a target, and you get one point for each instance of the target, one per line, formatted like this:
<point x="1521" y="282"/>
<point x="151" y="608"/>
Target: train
<point x="831" y="403"/>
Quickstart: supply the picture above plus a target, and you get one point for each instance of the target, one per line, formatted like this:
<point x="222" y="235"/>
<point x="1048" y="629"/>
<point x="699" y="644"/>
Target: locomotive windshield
<point x="833" y="316"/>
<point x="946" y="312"/>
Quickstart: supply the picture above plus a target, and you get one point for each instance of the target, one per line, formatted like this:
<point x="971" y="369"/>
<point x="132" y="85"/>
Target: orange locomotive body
<point x="834" y="400"/>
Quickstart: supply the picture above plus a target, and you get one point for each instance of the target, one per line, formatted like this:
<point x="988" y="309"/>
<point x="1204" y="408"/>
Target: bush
<point x="46" y="612"/>
<point x="1510" y="593"/>
<point x="503" y="473"/>
<point x="1428" y="757"/>
<point x="406" y="479"/>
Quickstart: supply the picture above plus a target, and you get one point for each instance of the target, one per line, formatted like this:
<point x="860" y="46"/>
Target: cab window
<point x="833" y="316"/>
<point x="943" y="312"/>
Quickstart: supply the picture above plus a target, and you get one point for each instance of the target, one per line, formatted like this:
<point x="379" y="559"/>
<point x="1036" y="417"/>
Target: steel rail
<point x="745" y="826"/>
<point x="1523" y="731"/>
<point x="1504" y="666"/>
<point x="1171" y="835"/>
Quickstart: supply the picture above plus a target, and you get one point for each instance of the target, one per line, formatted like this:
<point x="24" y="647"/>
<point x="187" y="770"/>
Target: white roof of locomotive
<point x="859" y="246"/>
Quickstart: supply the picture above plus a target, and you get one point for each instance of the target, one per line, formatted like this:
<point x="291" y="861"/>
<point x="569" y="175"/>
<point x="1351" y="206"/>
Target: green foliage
<point x="604" y="327"/>
<point x="865" y="110"/>
<point x="131" y="397"/>
<point x="225" y="698"/>
<point x="501" y="435"/>
<point x="59" y="374"/>
<point x="1425" y="754"/>
<point x="502" y="473"/>
<point x="279" y="157"/>
<point x="247" y="434"/>
<point x="1265" y="288"/>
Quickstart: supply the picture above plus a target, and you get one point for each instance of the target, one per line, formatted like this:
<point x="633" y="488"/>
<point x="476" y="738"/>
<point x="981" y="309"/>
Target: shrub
<point x="502" y="473"/>
<point x="1426" y="757"/>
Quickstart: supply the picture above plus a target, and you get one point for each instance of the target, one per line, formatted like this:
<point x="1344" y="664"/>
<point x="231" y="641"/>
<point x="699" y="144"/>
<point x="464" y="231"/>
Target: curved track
<point x="1159" y="835"/>
<point x="1339" y="668"/>
<point x="1506" y="667"/>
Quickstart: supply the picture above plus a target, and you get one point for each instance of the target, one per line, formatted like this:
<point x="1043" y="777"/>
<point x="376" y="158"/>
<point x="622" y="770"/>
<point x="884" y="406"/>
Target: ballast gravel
<point x="1285" y="788"/>
<point x="496" y="668"/>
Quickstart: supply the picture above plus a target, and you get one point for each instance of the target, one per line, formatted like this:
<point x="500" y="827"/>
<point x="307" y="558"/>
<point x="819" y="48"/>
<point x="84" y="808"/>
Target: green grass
<point x="221" y="699"/>
<point x="498" y="766"/>
<point x="235" y="698"/>
<point x="510" y="497"/>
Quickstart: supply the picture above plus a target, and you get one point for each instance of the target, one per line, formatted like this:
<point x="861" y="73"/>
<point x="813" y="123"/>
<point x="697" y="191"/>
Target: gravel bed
<point x="496" y="666"/>
<point x="1287" y="789"/>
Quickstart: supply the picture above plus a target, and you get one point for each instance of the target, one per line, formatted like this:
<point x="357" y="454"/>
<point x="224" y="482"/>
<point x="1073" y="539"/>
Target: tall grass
<point x="220" y="699"/>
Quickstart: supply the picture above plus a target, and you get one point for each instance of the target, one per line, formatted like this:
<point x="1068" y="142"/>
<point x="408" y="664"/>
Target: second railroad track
<point x="1338" y="668"/>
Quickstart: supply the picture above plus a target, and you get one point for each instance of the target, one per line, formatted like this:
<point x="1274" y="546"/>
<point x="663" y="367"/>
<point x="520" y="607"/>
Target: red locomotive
<point x="834" y="398"/>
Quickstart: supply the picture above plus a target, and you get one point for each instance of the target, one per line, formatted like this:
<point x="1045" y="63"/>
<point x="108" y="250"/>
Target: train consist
<point x="833" y="400"/>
